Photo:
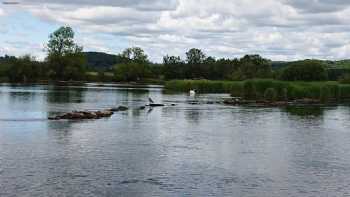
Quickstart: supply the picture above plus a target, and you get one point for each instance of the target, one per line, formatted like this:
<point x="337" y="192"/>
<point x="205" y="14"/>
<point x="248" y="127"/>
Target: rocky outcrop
<point x="82" y="115"/>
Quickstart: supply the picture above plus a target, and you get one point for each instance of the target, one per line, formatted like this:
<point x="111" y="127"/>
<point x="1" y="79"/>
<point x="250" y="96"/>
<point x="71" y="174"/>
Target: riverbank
<point x="268" y="90"/>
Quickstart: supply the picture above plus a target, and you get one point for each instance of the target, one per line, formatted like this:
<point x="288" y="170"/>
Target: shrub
<point x="256" y="89"/>
<point x="249" y="90"/>
<point x="284" y="95"/>
<point x="270" y="94"/>
<point x="345" y="79"/>
<point x="325" y="94"/>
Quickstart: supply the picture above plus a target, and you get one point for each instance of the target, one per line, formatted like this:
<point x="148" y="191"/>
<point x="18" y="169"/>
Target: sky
<point x="275" y="29"/>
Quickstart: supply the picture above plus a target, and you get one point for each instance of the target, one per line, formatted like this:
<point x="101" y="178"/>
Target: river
<point x="207" y="149"/>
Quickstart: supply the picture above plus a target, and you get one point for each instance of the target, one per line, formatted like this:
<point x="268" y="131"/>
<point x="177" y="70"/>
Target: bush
<point x="131" y="71"/>
<point x="249" y="90"/>
<point x="325" y="94"/>
<point x="345" y="79"/>
<point x="258" y="88"/>
<point x="270" y="94"/>
<point x="284" y="95"/>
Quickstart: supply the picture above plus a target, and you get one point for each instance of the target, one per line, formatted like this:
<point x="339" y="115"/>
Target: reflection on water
<point x="306" y="111"/>
<point x="182" y="150"/>
<point x="60" y="94"/>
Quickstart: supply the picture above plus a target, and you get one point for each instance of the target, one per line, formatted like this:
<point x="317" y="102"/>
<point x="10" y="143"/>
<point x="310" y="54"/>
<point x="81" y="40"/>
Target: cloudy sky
<point x="277" y="29"/>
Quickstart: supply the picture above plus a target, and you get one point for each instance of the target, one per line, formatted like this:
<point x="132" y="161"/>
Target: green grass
<point x="292" y="90"/>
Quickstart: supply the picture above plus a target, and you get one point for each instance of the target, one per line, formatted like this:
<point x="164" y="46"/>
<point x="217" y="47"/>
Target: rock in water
<point x="120" y="108"/>
<point x="82" y="115"/>
<point x="156" y="105"/>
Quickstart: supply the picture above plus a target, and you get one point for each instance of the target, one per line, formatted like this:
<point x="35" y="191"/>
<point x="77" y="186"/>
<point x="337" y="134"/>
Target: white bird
<point x="192" y="92"/>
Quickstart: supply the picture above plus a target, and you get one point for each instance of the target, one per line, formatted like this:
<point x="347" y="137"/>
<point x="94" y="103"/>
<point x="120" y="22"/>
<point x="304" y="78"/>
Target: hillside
<point x="99" y="60"/>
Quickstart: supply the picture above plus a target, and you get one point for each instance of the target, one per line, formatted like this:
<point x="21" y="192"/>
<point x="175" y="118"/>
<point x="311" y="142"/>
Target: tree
<point x="61" y="42"/>
<point x="195" y="59"/>
<point x="24" y="69"/>
<point x="134" y="54"/>
<point x="253" y="66"/>
<point x="307" y="70"/>
<point x="173" y="67"/>
<point x="195" y="56"/>
<point x="131" y="71"/>
<point x="65" y="57"/>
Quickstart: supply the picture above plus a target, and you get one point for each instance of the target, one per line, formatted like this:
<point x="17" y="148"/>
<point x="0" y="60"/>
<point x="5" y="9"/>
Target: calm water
<point x="183" y="150"/>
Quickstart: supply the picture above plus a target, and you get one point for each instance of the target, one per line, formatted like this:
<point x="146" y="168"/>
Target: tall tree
<point x="134" y="54"/>
<point x="61" y="42"/>
<point x="195" y="56"/>
<point x="65" y="57"/>
<point x="195" y="60"/>
<point x="173" y="67"/>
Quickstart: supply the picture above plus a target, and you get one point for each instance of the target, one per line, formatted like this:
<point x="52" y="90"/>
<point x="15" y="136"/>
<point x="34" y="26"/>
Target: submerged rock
<point x="120" y="108"/>
<point x="156" y="105"/>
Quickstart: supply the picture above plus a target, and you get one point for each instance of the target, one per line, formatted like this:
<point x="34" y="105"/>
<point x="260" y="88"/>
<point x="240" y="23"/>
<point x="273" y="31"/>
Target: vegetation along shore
<point x="250" y="77"/>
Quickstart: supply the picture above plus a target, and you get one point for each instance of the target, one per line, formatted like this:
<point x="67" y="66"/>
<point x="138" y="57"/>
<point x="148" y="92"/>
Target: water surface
<point x="182" y="150"/>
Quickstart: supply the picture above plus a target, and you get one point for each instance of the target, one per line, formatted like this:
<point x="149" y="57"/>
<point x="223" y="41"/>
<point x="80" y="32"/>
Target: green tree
<point x="134" y="54"/>
<point x="65" y="57"/>
<point x="173" y="67"/>
<point x="131" y="72"/>
<point x="24" y="69"/>
<point x="195" y="59"/>
<point x="195" y="56"/>
<point x="254" y="66"/>
<point x="307" y="70"/>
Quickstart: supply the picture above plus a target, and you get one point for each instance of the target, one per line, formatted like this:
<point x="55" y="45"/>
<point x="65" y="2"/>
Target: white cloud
<point x="2" y="12"/>
<point x="278" y="29"/>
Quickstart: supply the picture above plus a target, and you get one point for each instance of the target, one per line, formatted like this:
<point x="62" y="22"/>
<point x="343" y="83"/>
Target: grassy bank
<point x="263" y="88"/>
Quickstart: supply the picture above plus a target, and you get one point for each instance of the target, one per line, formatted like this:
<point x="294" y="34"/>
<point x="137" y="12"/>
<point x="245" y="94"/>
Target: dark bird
<point x="150" y="100"/>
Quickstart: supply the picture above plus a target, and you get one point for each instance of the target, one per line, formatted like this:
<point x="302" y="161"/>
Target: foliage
<point x="134" y="54"/>
<point x="173" y="67"/>
<point x="257" y="88"/>
<point x="65" y="57"/>
<point x="325" y="94"/>
<point x="195" y="57"/>
<point x="335" y="74"/>
<point x="61" y="42"/>
<point x="270" y="94"/>
<point x="101" y="61"/>
<point x="131" y="72"/>
<point x="25" y="69"/>
<point x="100" y="76"/>
<point x="67" y="67"/>
<point x="345" y="79"/>
<point x="307" y="70"/>
<point x="200" y="66"/>
<point x="253" y="66"/>
<point x="249" y="90"/>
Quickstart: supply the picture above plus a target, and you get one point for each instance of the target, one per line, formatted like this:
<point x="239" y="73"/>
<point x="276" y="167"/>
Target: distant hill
<point x="99" y="60"/>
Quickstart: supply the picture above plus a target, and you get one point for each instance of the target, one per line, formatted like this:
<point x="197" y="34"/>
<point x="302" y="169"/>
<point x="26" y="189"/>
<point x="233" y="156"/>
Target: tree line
<point x="66" y="61"/>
